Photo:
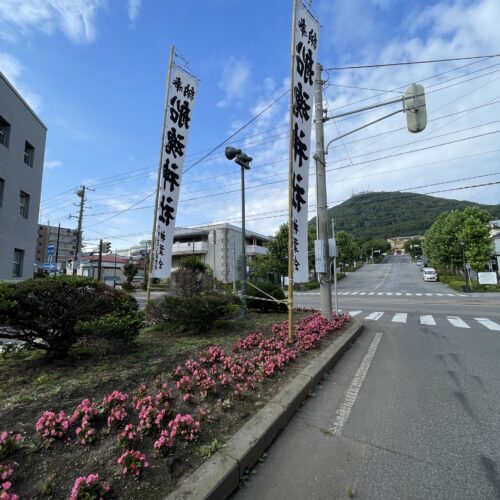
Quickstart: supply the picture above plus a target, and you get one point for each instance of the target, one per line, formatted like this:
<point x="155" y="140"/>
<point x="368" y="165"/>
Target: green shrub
<point x="265" y="305"/>
<point x="45" y="313"/>
<point x="194" y="313"/>
<point x="116" y="327"/>
<point x="128" y="287"/>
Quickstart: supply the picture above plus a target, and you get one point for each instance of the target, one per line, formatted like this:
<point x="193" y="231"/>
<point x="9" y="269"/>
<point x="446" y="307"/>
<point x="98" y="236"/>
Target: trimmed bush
<point x="46" y="312"/>
<point x="194" y="313"/>
<point x="265" y="305"/>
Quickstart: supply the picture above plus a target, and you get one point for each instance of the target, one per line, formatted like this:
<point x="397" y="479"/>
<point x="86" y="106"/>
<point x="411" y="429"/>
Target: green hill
<point x="388" y="214"/>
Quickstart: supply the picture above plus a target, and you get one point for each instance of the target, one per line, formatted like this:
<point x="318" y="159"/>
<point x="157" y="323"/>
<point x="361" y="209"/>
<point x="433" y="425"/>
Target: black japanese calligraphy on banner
<point x="303" y="76"/>
<point x="181" y="96"/>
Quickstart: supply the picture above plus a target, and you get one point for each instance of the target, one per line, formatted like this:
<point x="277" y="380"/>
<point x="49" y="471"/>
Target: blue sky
<point x="95" y="72"/>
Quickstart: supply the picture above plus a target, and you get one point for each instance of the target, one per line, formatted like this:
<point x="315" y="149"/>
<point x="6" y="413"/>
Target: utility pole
<point x="81" y="194"/>
<point x="57" y="243"/>
<point x="322" y="215"/>
<point x="99" y="262"/>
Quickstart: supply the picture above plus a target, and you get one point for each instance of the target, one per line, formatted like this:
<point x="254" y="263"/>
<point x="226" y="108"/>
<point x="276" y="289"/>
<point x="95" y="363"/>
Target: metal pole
<point x="146" y="265"/>
<point x="114" y="278"/>
<point x="290" y="184"/>
<point x="322" y="221"/>
<point x="165" y="109"/>
<point x="243" y="249"/>
<point x="57" y="244"/>
<point x="234" y="266"/>
<point x="335" y="273"/>
<point x="99" y="263"/>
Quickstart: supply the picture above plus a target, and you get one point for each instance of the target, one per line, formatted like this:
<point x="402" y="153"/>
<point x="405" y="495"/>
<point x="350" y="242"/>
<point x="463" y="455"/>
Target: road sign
<point x="487" y="278"/>
<point x="51" y="249"/>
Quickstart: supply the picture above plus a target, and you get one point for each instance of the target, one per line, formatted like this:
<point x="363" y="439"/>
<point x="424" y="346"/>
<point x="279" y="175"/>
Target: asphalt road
<point x="412" y="411"/>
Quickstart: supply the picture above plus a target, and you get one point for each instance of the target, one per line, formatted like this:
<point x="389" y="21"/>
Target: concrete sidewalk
<point x="220" y="476"/>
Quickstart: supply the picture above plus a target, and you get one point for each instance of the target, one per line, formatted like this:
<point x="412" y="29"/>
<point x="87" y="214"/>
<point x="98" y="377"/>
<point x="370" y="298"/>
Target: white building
<point x="217" y="245"/>
<point x="22" y="150"/>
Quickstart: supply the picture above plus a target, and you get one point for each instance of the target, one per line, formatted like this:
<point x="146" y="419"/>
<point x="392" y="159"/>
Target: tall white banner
<point x="303" y="75"/>
<point x="181" y="95"/>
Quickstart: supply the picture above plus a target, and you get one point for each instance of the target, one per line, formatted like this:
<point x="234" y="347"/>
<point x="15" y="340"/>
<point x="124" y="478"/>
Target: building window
<point x="29" y="154"/>
<point x="2" y="185"/>
<point x="4" y="131"/>
<point x="24" y="204"/>
<point x="17" y="264"/>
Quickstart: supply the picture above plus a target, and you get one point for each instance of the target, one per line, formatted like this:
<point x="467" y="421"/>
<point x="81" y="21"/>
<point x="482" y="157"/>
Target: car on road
<point x="429" y="274"/>
<point x="420" y="262"/>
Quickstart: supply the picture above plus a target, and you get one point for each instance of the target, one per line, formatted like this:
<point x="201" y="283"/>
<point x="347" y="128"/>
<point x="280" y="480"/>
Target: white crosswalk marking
<point x="363" y="293"/>
<point x="398" y="293"/>
<point x="418" y="295"/>
<point x="388" y="293"/>
<point x="354" y="293"/>
<point x="354" y="313"/>
<point x="456" y="321"/>
<point x="400" y="318"/>
<point x="427" y="320"/>
<point x="409" y="294"/>
<point x="375" y="315"/>
<point x="371" y="293"/>
<point x="491" y="325"/>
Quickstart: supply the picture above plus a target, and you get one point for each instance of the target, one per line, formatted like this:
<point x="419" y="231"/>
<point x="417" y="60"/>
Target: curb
<point x="220" y="476"/>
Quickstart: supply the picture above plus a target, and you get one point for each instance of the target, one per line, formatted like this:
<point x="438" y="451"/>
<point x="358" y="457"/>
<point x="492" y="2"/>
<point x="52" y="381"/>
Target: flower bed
<point x="125" y="437"/>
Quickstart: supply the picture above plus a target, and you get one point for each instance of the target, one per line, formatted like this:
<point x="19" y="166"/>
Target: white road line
<point x="456" y="321"/>
<point x="352" y="392"/>
<point x="375" y="315"/>
<point x="427" y="320"/>
<point x="400" y="318"/>
<point x="418" y="294"/>
<point x="491" y="325"/>
<point x="363" y="293"/>
<point x="380" y="293"/>
<point x="371" y="293"/>
<point x="354" y="293"/>
<point x="354" y="313"/>
<point x="439" y="294"/>
<point x="409" y="294"/>
<point x="398" y="293"/>
<point x="429" y="294"/>
<point x="450" y="295"/>
<point x="388" y="293"/>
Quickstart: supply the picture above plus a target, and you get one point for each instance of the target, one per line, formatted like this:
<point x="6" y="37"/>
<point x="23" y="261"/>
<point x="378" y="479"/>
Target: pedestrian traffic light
<point x="415" y="108"/>
<point x="106" y="246"/>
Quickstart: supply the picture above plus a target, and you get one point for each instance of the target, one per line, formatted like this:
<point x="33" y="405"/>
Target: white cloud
<point x="75" y="18"/>
<point x="133" y="10"/>
<point x="13" y="69"/>
<point x="52" y="164"/>
<point x="235" y="76"/>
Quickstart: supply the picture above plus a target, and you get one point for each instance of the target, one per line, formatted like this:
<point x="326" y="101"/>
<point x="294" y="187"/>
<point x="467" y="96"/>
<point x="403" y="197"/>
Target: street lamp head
<point x="243" y="160"/>
<point x="231" y="152"/>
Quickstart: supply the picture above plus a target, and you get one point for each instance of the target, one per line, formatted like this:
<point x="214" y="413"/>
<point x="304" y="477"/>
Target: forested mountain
<point x="389" y="214"/>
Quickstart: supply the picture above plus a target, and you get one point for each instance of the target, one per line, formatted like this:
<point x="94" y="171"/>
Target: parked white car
<point x="429" y="274"/>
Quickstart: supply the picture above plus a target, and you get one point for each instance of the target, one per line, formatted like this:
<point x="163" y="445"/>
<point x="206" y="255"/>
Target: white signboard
<point x="302" y="80"/>
<point x="319" y="256"/>
<point x="181" y="96"/>
<point x="487" y="278"/>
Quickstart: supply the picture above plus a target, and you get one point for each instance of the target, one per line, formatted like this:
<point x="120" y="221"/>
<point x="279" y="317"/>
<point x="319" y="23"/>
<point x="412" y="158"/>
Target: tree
<point x="442" y="240"/>
<point x="194" y="263"/>
<point x="414" y="247"/>
<point x="346" y="248"/>
<point x="476" y="237"/>
<point x="130" y="270"/>
<point x="373" y="245"/>
<point x="46" y="313"/>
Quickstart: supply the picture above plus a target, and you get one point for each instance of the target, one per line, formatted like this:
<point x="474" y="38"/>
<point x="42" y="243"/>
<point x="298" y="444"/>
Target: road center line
<point x="352" y="392"/>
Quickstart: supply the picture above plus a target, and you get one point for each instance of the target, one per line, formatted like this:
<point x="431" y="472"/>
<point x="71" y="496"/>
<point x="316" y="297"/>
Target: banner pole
<point x="165" y="110"/>
<point x="290" y="184"/>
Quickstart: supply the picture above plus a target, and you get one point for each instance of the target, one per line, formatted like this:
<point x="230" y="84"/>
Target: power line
<point x="407" y="63"/>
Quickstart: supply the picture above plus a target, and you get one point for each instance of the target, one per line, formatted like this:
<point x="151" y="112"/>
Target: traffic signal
<point x="414" y="105"/>
<point x="106" y="246"/>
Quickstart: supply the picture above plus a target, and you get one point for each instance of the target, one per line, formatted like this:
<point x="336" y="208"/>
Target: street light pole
<point x="243" y="161"/>
<point x="466" y="271"/>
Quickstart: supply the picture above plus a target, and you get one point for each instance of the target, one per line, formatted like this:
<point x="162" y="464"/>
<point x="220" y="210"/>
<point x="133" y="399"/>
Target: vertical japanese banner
<point x="302" y="81"/>
<point x="181" y="95"/>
